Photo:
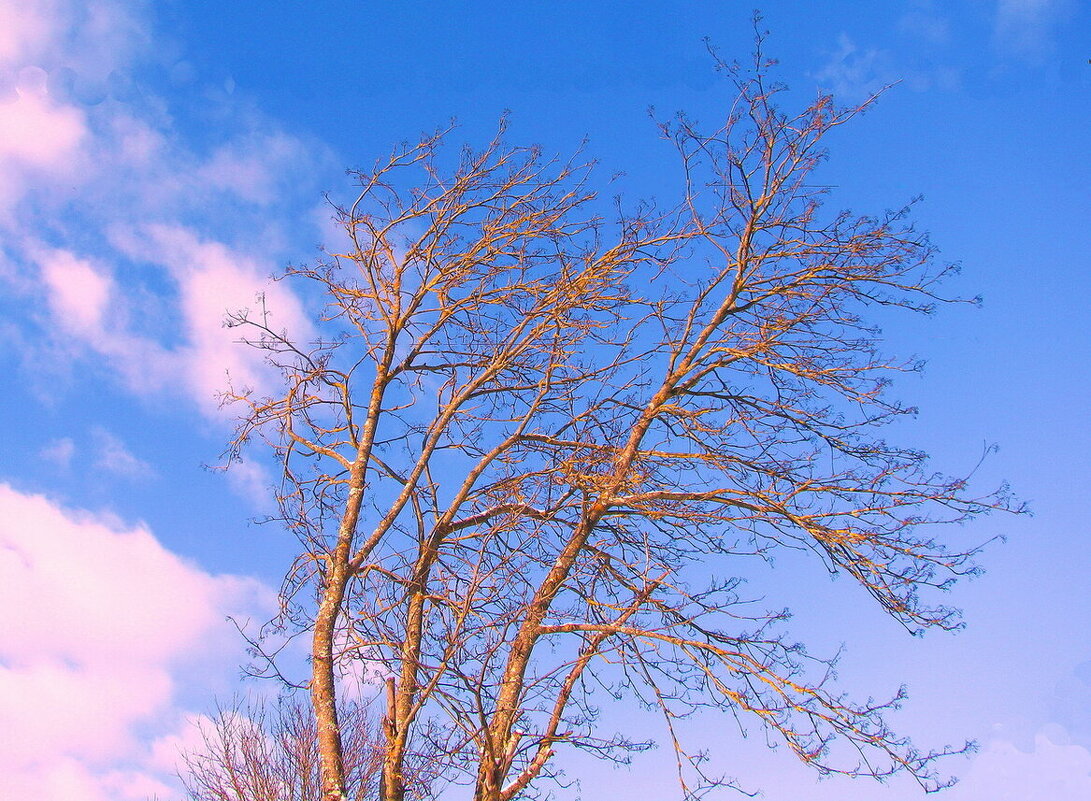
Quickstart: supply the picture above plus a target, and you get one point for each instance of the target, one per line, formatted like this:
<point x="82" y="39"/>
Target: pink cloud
<point x="35" y="130"/>
<point x="94" y="35"/>
<point x="133" y="177"/>
<point x="213" y="282"/>
<point x="253" y="165"/>
<point x="88" y="312"/>
<point x="36" y="136"/>
<point x="102" y="621"/>
<point x="78" y="292"/>
<point x="25" y="28"/>
<point x="1058" y="771"/>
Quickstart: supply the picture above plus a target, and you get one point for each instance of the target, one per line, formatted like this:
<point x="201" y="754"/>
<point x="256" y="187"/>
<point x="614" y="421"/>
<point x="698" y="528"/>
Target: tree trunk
<point x="324" y="693"/>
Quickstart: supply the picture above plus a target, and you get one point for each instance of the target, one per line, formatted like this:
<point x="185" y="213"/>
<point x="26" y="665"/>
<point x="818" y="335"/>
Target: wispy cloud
<point x="59" y="452"/>
<point x="150" y="209"/>
<point x="854" y="73"/>
<point x="926" y="24"/>
<point x="251" y="481"/>
<point x="86" y="315"/>
<point x="1026" y="28"/>
<point x="112" y="456"/>
<point x="213" y="281"/>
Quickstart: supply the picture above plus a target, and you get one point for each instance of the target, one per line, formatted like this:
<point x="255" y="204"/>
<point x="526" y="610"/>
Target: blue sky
<point x="159" y="161"/>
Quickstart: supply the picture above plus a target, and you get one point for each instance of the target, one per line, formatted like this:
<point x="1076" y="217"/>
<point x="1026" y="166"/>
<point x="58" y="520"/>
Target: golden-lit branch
<point x="532" y="434"/>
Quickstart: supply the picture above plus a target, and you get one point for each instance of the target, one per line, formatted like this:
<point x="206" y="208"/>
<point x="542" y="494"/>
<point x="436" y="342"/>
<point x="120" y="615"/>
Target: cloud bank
<point x="95" y="646"/>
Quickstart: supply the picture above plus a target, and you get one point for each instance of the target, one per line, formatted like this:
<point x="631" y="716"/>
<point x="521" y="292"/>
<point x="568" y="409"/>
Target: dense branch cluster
<point x="533" y="436"/>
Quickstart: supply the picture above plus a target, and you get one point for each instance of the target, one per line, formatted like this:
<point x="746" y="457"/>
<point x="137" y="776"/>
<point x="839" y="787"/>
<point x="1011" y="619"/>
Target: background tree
<point x="537" y="447"/>
<point x="258" y="751"/>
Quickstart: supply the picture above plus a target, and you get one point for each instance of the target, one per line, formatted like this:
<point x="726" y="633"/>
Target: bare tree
<point x="261" y="751"/>
<point x="258" y="752"/>
<point x="539" y="440"/>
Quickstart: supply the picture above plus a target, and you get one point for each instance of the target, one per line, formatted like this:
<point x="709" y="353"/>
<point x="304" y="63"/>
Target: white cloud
<point x="35" y="129"/>
<point x="101" y="623"/>
<point x="196" y="355"/>
<point x="91" y="36"/>
<point x="251" y="166"/>
<point x="42" y="133"/>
